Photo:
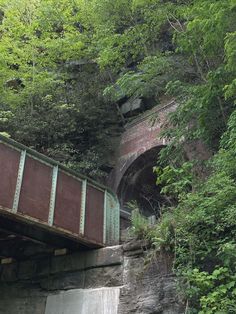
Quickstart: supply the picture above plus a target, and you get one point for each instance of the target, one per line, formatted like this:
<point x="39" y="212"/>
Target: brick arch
<point x="140" y="136"/>
<point x="139" y="183"/>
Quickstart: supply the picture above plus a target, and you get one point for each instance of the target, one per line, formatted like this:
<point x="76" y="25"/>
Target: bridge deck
<point x="45" y="201"/>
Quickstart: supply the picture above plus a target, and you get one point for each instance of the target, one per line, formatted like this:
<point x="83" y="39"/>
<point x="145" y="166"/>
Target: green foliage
<point x="160" y="235"/>
<point x="150" y="78"/>
<point x="204" y="229"/>
<point x="176" y="182"/>
<point x="204" y="219"/>
<point x="141" y="47"/>
<point x="58" y="59"/>
<point x="140" y="225"/>
<point x="207" y="39"/>
<point x="50" y="87"/>
<point x="216" y="291"/>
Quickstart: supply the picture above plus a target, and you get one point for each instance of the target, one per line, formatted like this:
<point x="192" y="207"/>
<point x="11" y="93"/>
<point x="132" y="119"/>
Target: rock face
<point x="149" y="287"/>
<point x="25" y="287"/>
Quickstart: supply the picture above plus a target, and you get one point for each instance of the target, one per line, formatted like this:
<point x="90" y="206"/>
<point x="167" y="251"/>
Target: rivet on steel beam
<point x="83" y="207"/>
<point x="53" y="196"/>
<point x="19" y="181"/>
<point x="105" y="217"/>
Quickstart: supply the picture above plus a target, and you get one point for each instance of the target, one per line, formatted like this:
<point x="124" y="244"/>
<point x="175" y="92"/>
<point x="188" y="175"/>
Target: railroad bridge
<point x="45" y="206"/>
<point x="45" y="202"/>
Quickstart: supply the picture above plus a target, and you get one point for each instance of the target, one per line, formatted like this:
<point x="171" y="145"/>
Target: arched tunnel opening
<point x="138" y="185"/>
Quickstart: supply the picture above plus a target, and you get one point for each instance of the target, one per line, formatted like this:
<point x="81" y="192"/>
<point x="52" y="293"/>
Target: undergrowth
<point x="200" y="232"/>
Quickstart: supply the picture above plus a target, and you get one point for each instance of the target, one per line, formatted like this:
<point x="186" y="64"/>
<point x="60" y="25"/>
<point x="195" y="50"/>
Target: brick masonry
<point x="140" y="136"/>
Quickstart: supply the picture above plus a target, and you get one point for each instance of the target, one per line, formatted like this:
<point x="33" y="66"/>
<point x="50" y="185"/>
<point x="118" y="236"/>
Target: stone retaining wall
<point x="25" y="286"/>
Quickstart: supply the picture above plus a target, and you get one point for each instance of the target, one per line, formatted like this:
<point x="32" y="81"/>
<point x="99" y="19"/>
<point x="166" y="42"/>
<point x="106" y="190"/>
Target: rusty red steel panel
<point x="94" y="214"/>
<point x="68" y="203"/>
<point x="9" y="162"/>
<point x="36" y="189"/>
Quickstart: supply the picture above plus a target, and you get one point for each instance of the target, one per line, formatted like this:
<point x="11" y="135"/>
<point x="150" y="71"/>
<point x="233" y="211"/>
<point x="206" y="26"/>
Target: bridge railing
<point x="39" y="191"/>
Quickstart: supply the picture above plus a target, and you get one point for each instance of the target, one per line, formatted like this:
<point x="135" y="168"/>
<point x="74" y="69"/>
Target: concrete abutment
<point x="69" y="283"/>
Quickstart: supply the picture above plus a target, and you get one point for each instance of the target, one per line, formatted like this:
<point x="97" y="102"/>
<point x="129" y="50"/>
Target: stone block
<point x="104" y="257"/>
<point x="135" y="247"/>
<point x="27" y="269"/>
<point x="43" y="267"/>
<point x="34" y="305"/>
<point x="67" y="263"/>
<point x="74" y="280"/>
<point x="9" y="272"/>
<point x="110" y="276"/>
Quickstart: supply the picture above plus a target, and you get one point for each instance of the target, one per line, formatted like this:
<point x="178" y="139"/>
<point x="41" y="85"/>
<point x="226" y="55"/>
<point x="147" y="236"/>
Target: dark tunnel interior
<point x="138" y="185"/>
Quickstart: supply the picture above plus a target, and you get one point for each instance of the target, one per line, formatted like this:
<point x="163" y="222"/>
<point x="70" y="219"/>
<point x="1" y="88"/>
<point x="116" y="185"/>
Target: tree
<point x="50" y="85"/>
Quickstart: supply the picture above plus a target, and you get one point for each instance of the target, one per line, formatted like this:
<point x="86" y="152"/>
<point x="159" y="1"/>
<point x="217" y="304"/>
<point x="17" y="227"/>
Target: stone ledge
<point x="136" y="245"/>
<point x="108" y="276"/>
<point x="79" y="261"/>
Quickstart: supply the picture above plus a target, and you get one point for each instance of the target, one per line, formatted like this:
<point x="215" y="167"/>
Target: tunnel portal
<point x="138" y="185"/>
